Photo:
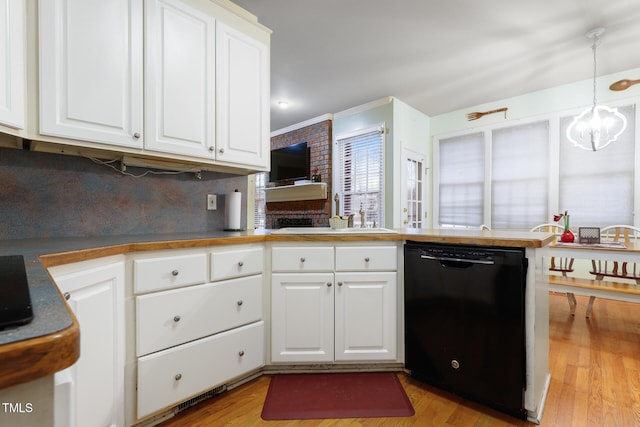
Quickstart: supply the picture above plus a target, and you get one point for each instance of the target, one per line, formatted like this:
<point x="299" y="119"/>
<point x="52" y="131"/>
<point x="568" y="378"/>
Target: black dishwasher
<point x="464" y="321"/>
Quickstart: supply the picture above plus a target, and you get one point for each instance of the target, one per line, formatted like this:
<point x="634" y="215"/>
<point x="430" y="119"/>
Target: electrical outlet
<point x="212" y="202"/>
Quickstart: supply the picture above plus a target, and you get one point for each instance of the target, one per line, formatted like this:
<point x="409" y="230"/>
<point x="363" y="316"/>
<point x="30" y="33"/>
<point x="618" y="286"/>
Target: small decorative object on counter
<point x="567" y="236"/>
<point x="589" y="235"/>
<point x="337" y="222"/>
<point x="315" y="176"/>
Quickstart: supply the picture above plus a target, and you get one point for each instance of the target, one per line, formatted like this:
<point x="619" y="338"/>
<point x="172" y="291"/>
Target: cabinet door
<point x="12" y="63"/>
<point x="365" y="313"/>
<point x="91" y="70"/>
<point x="302" y="317"/>
<point x="242" y="76"/>
<point x="95" y="383"/>
<point x="179" y="79"/>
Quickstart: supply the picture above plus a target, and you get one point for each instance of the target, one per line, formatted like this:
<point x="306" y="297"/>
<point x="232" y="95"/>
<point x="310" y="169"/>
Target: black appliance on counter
<point x="465" y="321"/>
<point x="15" y="300"/>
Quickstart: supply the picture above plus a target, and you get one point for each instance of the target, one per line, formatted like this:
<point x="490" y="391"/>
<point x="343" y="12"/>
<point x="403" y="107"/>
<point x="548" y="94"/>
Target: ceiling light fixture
<point x="283" y="104"/>
<point x="597" y="126"/>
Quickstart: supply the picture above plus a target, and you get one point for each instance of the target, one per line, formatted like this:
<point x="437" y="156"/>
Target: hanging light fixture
<point x="597" y="126"/>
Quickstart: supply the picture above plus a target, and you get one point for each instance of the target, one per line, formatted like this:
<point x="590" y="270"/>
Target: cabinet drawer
<point x="174" y="375"/>
<point x="169" y="272"/>
<point x="173" y="317"/>
<point x="367" y="258"/>
<point x="302" y="258"/>
<point x="236" y="263"/>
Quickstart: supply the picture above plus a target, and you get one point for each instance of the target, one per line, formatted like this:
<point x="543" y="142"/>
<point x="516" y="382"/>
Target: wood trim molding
<point x="28" y="360"/>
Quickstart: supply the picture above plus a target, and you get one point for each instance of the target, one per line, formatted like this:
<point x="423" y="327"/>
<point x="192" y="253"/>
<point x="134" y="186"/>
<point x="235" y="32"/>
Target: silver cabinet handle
<point x="329" y="284"/>
<point x="67" y="295"/>
<point x="176" y="318"/>
<point x="241" y="353"/>
<point x="240" y="264"/>
<point x="212" y="149"/>
<point x="136" y="135"/>
<point x="302" y="259"/>
<point x="366" y="259"/>
<point x="178" y="377"/>
<point x="175" y="273"/>
<point x="339" y="283"/>
<point x="221" y="151"/>
<point x="239" y="303"/>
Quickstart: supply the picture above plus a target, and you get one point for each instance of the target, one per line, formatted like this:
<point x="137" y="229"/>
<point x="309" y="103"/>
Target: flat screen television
<point x="290" y="163"/>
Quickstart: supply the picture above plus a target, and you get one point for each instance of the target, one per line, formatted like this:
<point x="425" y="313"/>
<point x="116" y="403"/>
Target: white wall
<point x="576" y="95"/>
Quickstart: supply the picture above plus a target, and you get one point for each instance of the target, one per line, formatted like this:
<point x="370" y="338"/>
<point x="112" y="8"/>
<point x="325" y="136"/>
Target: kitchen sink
<point x="329" y="230"/>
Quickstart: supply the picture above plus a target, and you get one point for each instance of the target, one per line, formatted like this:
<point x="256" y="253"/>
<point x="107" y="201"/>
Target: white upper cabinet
<point x="12" y="63"/>
<point x="91" y="70"/>
<point x="205" y="79"/>
<point x="179" y="79"/>
<point x="242" y="76"/>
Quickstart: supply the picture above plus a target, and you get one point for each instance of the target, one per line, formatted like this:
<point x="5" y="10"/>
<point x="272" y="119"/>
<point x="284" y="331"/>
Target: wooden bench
<point x="629" y="292"/>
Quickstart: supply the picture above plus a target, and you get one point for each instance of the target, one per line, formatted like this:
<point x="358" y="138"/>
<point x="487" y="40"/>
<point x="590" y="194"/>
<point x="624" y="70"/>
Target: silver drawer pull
<point x="176" y="318"/>
<point x="302" y="259"/>
<point x="239" y="303"/>
<point x="329" y="284"/>
<point x="240" y="264"/>
<point x="67" y="295"/>
<point x="175" y="273"/>
<point x="178" y="377"/>
<point x="136" y="135"/>
<point x="339" y="283"/>
<point x="241" y="353"/>
<point x="366" y="259"/>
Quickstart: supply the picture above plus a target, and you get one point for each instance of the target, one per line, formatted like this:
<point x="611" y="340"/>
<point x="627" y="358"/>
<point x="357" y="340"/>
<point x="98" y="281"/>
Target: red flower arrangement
<point x="567" y="236"/>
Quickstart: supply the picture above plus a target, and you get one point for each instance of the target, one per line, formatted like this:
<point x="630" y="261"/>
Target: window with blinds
<point x="596" y="188"/>
<point x="461" y="188"/>
<point x="520" y="176"/>
<point x="360" y="175"/>
<point x="259" y="213"/>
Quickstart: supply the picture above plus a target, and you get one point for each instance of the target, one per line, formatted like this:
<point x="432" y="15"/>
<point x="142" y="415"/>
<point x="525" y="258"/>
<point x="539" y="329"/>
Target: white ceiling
<point x="437" y="56"/>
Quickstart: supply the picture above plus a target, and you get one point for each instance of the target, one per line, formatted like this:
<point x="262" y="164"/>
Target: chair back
<point x="560" y="264"/>
<point x="620" y="233"/>
<point x="550" y="228"/>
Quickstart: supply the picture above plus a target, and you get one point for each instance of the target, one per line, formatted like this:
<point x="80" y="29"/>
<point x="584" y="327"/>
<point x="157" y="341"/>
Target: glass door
<point x="414" y="211"/>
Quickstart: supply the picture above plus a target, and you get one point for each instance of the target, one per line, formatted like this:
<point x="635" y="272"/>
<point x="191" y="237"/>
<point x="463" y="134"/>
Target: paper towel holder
<point x="227" y="202"/>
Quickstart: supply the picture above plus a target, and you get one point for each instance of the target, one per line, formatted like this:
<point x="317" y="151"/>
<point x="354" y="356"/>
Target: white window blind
<point x="596" y="187"/>
<point x="360" y="174"/>
<point x="461" y="185"/>
<point x="259" y="213"/>
<point x="520" y="176"/>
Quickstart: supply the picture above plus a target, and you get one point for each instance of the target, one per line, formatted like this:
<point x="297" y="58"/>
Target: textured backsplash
<point x="53" y="195"/>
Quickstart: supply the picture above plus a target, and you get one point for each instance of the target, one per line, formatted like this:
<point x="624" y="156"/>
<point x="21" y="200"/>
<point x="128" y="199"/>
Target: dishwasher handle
<point x="463" y="260"/>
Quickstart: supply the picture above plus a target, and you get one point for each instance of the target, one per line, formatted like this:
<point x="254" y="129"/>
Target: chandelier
<point x="597" y="126"/>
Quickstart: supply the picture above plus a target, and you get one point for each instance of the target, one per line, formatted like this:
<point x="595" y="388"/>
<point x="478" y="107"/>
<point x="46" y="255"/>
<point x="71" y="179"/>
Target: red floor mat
<point x="340" y="395"/>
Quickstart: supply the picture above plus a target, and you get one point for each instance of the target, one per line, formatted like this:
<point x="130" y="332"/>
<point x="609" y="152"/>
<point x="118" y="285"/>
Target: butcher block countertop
<point x="51" y="342"/>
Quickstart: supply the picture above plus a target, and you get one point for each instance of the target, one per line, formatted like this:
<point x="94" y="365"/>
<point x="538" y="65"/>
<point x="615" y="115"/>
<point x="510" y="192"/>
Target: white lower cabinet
<point x="365" y="316"/>
<point x="175" y="374"/>
<point x="322" y="313"/>
<point x="91" y="391"/>
<point x="199" y="322"/>
<point x="302" y="317"/>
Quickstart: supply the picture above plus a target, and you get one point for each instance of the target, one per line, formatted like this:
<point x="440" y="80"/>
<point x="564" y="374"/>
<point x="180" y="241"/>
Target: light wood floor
<point x="595" y="381"/>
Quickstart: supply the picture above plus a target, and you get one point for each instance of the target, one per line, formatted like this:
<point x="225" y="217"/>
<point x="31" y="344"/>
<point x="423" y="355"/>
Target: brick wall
<point x="318" y="137"/>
